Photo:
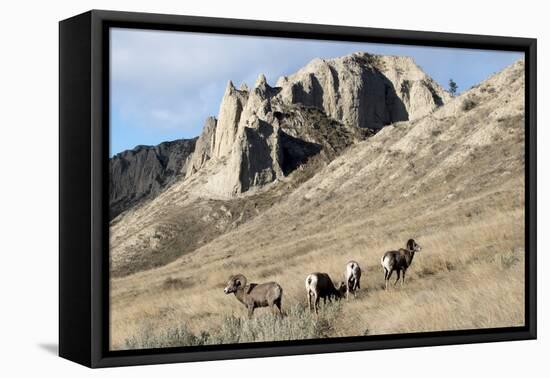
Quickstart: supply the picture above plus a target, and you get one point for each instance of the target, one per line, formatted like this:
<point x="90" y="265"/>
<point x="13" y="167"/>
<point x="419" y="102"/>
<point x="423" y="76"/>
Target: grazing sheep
<point x="255" y="295"/>
<point x="399" y="261"/>
<point x="352" y="278"/>
<point x="319" y="285"/>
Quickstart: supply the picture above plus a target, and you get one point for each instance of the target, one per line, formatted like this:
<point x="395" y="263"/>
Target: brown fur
<point x="254" y="295"/>
<point x="319" y="285"/>
<point x="399" y="261"/>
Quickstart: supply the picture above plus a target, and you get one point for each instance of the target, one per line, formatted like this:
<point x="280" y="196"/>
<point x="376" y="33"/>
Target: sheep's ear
<point x="238" y="283"/>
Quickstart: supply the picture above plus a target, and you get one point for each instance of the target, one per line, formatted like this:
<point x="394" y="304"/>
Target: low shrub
<point x="468" y="104"/>
<point x="297" y="323"/>
<point x="150" y="337"/>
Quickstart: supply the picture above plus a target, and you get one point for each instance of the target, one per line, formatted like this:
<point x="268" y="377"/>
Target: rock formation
<point x="253" y="153"/>
<point x="229" y="115"/>
<point x="358" y="91"/>
<point x="364" y="90"/>
<point x="204" y="146"/>
<point x="263" y="133"/>
<point x="144" y="171"/>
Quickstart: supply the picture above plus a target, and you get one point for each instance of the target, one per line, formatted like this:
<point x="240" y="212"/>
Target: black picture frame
<point x="83" y="182"/>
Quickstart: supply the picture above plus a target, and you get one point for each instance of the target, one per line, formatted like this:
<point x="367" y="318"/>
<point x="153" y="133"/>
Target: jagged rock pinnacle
<point x="230" y="87"/>
<point x="261" y="80"/>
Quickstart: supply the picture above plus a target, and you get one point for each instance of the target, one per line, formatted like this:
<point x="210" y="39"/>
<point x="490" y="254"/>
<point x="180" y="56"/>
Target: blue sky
<point x="165" y="84"/>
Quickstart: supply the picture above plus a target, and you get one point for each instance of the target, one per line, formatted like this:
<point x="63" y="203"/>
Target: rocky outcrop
<point x="358" y="91"/>
<point x="204" y="146"/>
<point x="263" y="133"/>
<point x="250" y="149"/>
<point x="145" y="170"/>
<point x="363" y="90"/>
<point x="229" y="116"/>
<point x="255" y="159"/>
<point x="257" y="155"/>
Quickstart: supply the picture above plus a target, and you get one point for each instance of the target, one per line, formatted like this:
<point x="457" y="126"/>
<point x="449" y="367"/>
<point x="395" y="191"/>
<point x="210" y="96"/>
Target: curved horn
<point x="241" y="278"/>
<point x="410" y="245"/>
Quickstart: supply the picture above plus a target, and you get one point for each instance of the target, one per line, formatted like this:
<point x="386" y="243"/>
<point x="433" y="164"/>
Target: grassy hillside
<point x="452" y="180"/>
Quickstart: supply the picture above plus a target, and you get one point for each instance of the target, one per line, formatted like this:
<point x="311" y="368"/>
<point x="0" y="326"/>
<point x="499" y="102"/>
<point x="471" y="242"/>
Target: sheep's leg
<point x="278" y="305"/>
<point x="250" y="311"/>
<point x="398" y="276"/>
<point x="316" y="304"/>
<point x="388" y="278"/>
<point x="309" y="301"/>
<point x="271" y="306"/>
<point x="403" y="279"/>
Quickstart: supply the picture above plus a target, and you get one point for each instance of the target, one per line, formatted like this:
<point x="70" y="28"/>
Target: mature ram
<point x="253" y="295"/>
<point x="319" y="285"/>
<point x="399" y="261"/>
<point x="352" y="278"/>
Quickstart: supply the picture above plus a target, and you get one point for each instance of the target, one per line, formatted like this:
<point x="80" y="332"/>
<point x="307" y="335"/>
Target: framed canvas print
<point x="234" y="188"/>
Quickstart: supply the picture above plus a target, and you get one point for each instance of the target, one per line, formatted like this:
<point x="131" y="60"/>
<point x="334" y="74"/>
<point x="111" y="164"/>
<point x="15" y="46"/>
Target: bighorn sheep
<point x="255" y="295"/>
<point x="399" y="261"/>
<point x="319" y="285"/>
<point x="352" y="278"/>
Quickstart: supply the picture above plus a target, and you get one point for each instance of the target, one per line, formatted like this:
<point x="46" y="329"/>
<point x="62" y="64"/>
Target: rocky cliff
<point x="204" y="146"/>
<point x="358" y="91"/>
<point x="145" y="170"/>
<point x="364" y="90"/>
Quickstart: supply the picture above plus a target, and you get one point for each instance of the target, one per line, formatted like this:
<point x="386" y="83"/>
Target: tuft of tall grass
<point x="507" y="259"/>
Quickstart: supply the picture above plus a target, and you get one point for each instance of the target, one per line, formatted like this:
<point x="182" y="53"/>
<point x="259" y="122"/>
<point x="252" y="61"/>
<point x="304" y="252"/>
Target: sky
<point x="164" y="84"/>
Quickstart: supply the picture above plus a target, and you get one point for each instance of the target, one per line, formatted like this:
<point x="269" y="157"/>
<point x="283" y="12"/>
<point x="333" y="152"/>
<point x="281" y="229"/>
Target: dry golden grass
<point x="467" y="276"/>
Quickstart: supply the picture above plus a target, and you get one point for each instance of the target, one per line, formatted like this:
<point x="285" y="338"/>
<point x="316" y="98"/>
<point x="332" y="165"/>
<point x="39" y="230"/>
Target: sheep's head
<point x="413" y="246"/>
<point x="235" y="283"/>
<point x="342" y="288"/>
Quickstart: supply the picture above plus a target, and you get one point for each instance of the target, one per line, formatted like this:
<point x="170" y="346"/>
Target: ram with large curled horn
<point x="269" y="294"/>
